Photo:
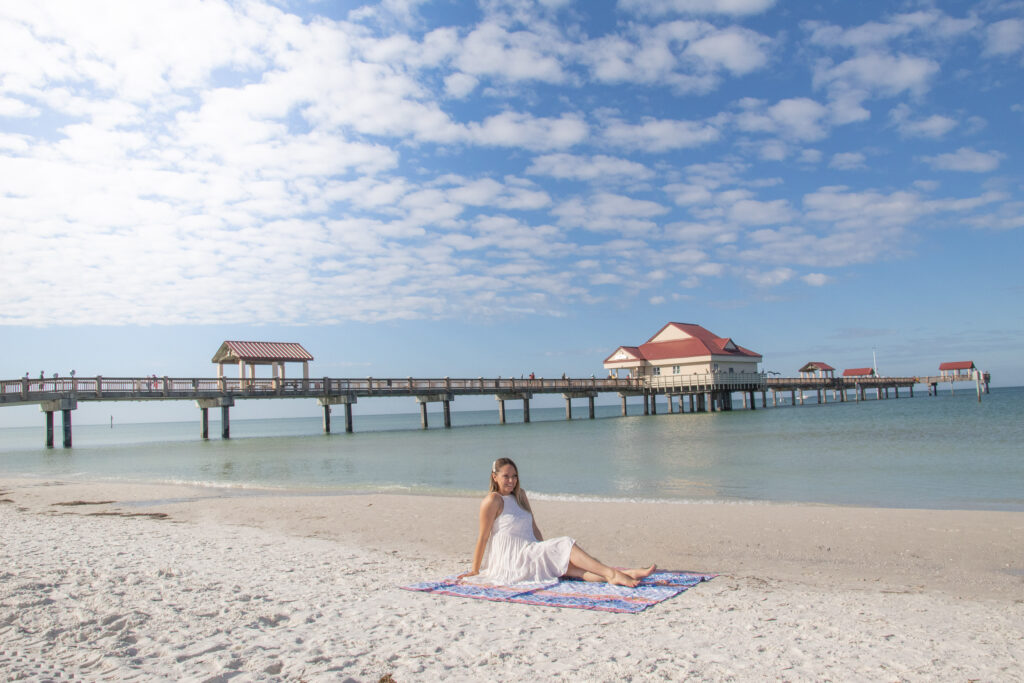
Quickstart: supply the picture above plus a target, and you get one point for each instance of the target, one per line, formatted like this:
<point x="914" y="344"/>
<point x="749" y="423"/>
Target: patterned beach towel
<point x="655" y="588"/>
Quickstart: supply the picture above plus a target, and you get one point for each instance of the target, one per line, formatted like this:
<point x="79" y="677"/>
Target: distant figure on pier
<point x="532" y="376"/>
<point x="510" y="548"/>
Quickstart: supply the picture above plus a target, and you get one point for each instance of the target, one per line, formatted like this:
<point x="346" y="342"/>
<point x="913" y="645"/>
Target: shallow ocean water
<point x="947" y="451"/>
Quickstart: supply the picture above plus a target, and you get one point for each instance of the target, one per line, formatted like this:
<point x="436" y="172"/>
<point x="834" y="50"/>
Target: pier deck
<point x="706" y="393"/>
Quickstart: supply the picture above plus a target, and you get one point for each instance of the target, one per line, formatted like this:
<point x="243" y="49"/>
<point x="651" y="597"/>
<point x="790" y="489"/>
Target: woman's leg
<point x="583" y="566"/>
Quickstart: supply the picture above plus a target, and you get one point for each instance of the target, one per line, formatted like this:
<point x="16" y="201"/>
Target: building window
<point x="656" y="371"/>
<point x="675" y="369"/>
<point x="730" y="371"/>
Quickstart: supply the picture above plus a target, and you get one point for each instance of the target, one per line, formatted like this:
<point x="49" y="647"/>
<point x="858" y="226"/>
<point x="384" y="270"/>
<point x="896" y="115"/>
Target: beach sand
<point x="173" y="582"/>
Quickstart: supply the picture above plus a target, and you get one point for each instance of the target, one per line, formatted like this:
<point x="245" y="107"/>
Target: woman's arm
<point x="490" y="508"/>
<point x="536" y="530"/>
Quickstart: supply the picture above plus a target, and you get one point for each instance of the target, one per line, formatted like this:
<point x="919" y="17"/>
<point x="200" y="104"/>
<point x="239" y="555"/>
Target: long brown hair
<point x="517" y="491"/>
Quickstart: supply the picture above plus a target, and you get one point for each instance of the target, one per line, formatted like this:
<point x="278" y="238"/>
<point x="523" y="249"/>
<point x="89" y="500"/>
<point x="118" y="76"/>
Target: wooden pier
<point x="700" y="393"/>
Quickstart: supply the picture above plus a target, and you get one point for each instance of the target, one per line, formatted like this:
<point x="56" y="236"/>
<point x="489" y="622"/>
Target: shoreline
<point x="966" y="553"/>
<point x="117" y="580"/>
<point x="243" y="490"/>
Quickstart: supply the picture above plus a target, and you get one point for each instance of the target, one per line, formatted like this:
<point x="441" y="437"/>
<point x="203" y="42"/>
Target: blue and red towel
<point x="655" y="588"/>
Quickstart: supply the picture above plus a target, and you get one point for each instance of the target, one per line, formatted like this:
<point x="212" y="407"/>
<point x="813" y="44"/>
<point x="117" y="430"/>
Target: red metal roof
<point x="261" y="352"/>
<point x="859" y="372"/>
<point x="701" y="343"/>
<point x="957" y="365"/>
<point x="816" y="365"/>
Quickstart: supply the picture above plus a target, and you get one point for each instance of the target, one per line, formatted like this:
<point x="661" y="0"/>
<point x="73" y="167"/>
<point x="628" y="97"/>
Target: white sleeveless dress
<point x="515" y="556"/>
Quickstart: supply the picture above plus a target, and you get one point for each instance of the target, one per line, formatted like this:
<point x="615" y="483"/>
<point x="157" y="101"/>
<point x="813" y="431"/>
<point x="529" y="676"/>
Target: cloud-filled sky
<point x="812" y="179"/>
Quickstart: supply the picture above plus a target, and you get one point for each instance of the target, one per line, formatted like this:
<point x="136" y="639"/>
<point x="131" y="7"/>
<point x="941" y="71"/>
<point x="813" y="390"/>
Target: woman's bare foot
<point x="619" y="578"/>
<point x="640" y="573"/>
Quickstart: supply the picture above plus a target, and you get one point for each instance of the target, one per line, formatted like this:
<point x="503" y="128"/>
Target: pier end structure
<point x="687" y="359"/>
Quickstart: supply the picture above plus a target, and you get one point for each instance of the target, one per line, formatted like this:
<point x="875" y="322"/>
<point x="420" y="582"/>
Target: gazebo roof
<point x="957" y="365"/>
<point x="816" y="365"/>
<point x="261" y="352"/>
<point x="859" y="372"/>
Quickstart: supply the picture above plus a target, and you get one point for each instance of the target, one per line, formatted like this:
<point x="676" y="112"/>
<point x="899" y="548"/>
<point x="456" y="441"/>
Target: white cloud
<point x="590" y="168"/>
<point x="934" y="126"/>
<point x="847" y="160"/>
<point x="1005" y="37"/>
<point x="460" y="85"/>
<point x="741" y="51"/>
<point x="770" y="278"/>
<point x="490" y="50"/>
<point x="608" y="212"/>
<point x="11" y="107"/>
<point x="816" y="279"/>
<point x="966" y="159"/>
<point x="686" y="56"/>
<point x="662" y="7"/>
<point x="660" y="135"/>
<point x="879" y="74"/>
<point x="798" y="118"/>
<point x="517" y="129"/>
<point x="754" y="212"/>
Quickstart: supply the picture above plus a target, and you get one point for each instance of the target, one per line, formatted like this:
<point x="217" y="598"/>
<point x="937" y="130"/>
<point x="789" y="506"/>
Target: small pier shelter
<point x="859" y="372"/>
<point x="252" y="353"/>
<point x="962" y="368"/>
<point x="817" y="369"/>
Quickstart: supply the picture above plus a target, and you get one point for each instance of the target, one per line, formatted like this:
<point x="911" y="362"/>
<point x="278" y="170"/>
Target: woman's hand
<point x="460" y="577"/>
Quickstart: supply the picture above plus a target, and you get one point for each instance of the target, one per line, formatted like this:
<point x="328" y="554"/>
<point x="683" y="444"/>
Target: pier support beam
<point x="623" y="397"/>
<point x="224" y="403"/>
<point x="590" y="402"/>
<point x="445" y="399"/>
<point x="569" y="395"/>
<point x="524" y="397"/>
<point x="65" y="406"/>
<point x="327" y="402"/>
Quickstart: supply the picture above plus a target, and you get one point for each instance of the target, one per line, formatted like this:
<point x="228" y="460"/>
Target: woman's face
<point x="507" y="478"/>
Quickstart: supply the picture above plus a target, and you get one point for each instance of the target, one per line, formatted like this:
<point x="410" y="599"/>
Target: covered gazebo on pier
<point x="250" y="354"/>
<point x="961" y="368"/>
<point x="817" y="369"/>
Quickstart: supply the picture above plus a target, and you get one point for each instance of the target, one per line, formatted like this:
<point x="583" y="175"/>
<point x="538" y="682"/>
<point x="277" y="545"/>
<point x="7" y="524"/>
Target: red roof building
<point x="250" y="354"/>
<point x="683" y="348"/>
<point x="962" y="367"/>
<point x="859" y="372"/>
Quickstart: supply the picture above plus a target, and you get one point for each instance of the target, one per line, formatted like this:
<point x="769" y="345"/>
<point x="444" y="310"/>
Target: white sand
<point x="306" y="588"/>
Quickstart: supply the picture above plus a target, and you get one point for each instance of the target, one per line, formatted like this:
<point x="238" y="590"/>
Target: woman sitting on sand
<point x="511" y="549"/>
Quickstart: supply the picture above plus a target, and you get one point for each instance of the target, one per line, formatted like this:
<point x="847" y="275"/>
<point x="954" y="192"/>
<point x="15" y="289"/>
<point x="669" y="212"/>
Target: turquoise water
<point x="926" y="452"/>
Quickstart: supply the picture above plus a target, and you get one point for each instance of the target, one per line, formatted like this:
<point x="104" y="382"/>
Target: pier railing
<point x="27" y="390"/>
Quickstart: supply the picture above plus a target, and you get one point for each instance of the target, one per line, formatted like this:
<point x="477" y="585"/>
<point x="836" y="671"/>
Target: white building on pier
<point x="683" y="349"/>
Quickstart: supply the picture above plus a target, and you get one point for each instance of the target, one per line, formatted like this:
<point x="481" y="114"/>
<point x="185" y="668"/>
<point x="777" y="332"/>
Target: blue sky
<point x="453" y="188"/>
